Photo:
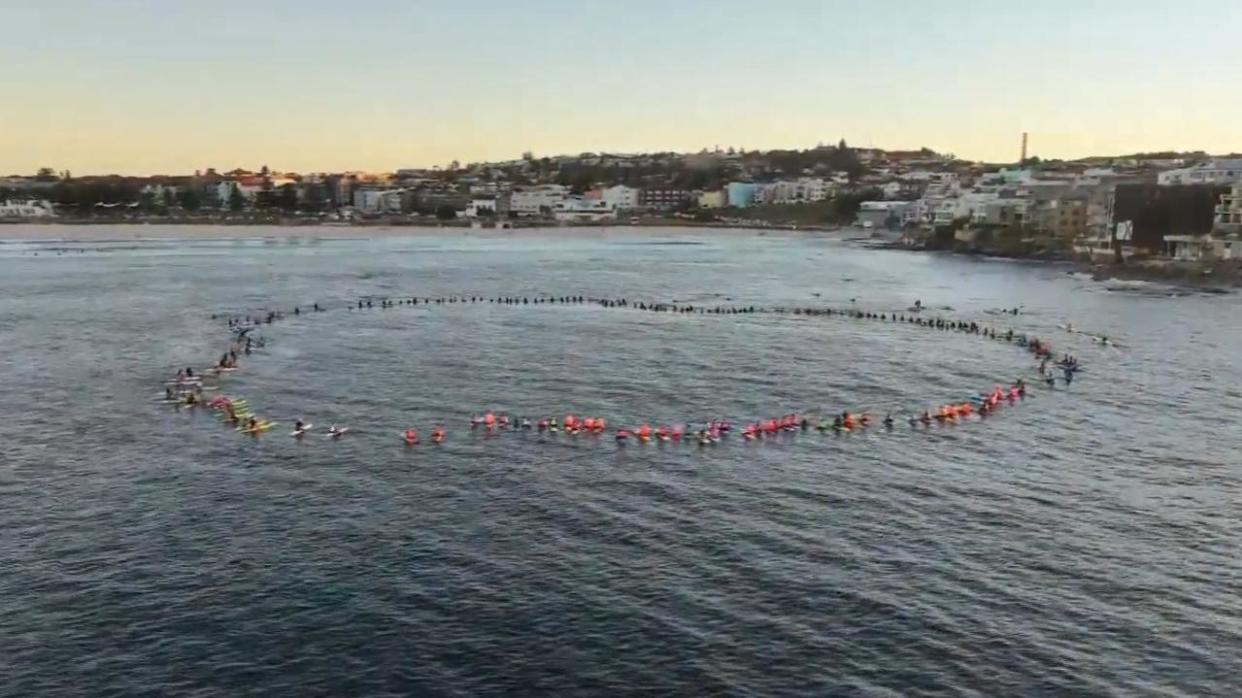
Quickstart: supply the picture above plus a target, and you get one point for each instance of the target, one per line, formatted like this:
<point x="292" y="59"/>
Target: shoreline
<point x="1221" y="276"/>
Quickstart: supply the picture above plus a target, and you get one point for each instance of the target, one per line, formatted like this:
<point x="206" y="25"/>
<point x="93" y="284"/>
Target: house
<point x="377" y="200"/>
<point x="713" y="199"/>
<point x="488" y="207"/>
<point x="536" y="201"/>
<point x="577" y="209"/>
<point x="741" y="194"/>
<point x="889" y="215"/>
<point x="620" y="197"/>
<point x="1197" y="248"/>
<point x="665" y="199"/>
<point x="33" y="208"/>
<point x="1220" y="172"/>
<point x="1229" y="211"/>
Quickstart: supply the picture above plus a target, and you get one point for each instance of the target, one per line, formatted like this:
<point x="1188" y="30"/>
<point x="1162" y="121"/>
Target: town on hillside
<point x="1185" y="206"/>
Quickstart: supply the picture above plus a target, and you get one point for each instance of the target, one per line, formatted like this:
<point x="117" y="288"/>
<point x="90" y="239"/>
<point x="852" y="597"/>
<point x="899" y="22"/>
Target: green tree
<point x="315" y="198"/>
<point x="46" y="174"/>
<point x="286" y="198"/>
<point x="237" y="201"/>
<point x="189" y="199"/>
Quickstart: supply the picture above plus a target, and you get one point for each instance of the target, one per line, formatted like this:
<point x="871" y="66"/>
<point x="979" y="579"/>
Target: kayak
<point x="299" y="432"/>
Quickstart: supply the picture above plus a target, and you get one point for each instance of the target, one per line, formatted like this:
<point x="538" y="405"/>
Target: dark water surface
<point x="1085" y="542"/>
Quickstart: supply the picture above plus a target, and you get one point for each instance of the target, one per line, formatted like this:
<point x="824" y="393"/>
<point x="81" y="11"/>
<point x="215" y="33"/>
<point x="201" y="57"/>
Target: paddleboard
<point x="338" y="432"/>
<point x="305" y="428"/>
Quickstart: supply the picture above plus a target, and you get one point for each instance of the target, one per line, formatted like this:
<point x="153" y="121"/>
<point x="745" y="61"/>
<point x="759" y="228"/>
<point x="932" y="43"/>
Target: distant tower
<point x="1023" y="148"/>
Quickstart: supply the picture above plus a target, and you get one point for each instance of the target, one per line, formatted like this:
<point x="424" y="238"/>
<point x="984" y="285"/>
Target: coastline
<point x="1220" y="276"/>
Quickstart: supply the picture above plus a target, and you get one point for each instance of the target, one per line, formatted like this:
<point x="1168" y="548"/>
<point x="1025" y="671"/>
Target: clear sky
<point x="165" y="86"/>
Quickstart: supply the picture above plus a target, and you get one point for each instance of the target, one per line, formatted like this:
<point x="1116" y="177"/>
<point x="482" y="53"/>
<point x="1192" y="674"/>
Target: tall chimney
<point x="1023" y="148"/>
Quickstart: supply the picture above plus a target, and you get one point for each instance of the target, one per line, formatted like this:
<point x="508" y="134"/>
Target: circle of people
<point x="187" y="389"/>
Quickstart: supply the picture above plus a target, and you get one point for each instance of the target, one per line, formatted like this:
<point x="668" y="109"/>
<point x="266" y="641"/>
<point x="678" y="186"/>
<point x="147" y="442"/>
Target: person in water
<point x="168" y="394"/>
<point x="299" y="426"/>
<point x="888" y="421"/>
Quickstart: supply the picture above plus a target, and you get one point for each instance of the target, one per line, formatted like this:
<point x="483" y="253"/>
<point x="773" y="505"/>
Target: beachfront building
<point x="1199" y="248"/>
<point x="377" y="201"/>
<point x="34" y="208"/>
<point x="665" y="199"/>
<point x="488" y="207"/>
<point x="713" y="199"/>
<point x="578" y="209"/>
<point x="1229" y="211"/>
<point x="620" y="197"/>
<point x="793" y="191"/>
<point x="741" y="194"/>
<point x="1222" y="172"/>
<point x="1063" y="217"/>
<point x="887" y="215"/>
<point x="537" y="201"/>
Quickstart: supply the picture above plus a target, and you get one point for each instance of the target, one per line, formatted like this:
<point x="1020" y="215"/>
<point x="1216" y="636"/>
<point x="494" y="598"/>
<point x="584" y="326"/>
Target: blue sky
<point x="145" y="86"/>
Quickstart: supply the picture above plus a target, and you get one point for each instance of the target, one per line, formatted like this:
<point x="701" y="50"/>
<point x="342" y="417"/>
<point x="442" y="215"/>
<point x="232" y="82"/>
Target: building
<point x="1199" y="248"/>
<point x="741" y="194"/>
<point x="621" y="197"/>
<point x="713" y="199"/>
<point x="1154" y="211"/>
<point x="1060" y="217"/>
<point x="1219" y="172"/>
<point x="34" y="208"/>
<point x="1003" y="212"/>
<point x="886" y="215"/>
<point x="1229" y="211"/>
<point x="488" y="207"/>
<point x="577" y="209"/>
<point x="665" y="199"/>
<point x="536" y="201"/>
<point x="794" y="191"/>
<point x="377" y="201"/>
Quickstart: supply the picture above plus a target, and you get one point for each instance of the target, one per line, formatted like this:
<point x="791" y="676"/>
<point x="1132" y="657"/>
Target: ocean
<point x="1084" y="541"/>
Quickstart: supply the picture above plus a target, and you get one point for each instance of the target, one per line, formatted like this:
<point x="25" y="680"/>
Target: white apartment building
<point x="620" y="197"/>
<point x="1223" y="172"/>
<point x="1229" y="211"/>
<point x="576" y="209"/>
<point x="26" y="209"/>
<point x="375" y="201"/>
<point x="534" y="201"/>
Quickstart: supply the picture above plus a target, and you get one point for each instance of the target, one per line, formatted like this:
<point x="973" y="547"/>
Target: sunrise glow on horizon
<point x="144" y="87"/>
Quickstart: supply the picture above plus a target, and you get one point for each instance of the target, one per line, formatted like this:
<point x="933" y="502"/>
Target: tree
<point x="446" y="212"/>
<point x="236" y="201"/>
<point x="189" y="199"/>
<point x="314" y="197"/>
<point x="286" y="198"/>
<point x="170" y="198"/>
<point x="46" y="174"/>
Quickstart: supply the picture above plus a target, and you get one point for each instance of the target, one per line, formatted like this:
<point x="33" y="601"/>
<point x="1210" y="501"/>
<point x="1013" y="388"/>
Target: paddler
<point x="299" y="427"/>
<point x="888" y="421"/>
<point x="168" y="394"/>
<point x="437" y="435"/>
<point x="411" y="436"/>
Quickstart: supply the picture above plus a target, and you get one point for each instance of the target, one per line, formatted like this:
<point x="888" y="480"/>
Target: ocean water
<point x="1082" y="542"/>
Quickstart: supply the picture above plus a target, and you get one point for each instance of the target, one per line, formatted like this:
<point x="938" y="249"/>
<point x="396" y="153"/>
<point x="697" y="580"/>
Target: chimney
<point x="1023" y="148"/>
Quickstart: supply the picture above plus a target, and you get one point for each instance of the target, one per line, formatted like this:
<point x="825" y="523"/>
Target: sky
<point x="173" y="86"/>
